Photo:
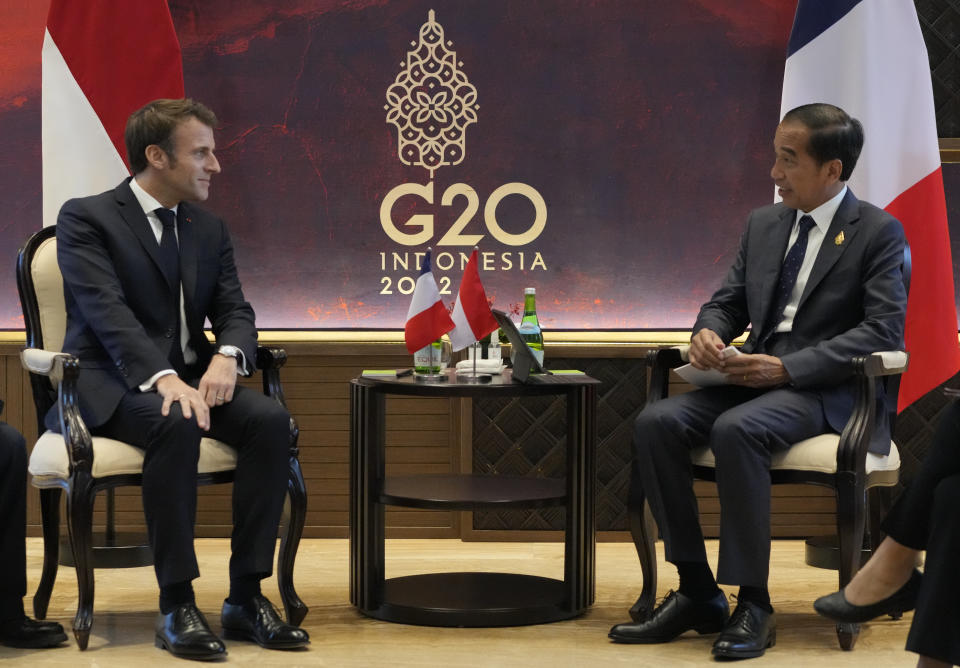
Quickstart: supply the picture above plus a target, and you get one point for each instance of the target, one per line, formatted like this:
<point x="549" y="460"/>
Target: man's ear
<point x="835" y="169"/>
<point x="156" y="157"/>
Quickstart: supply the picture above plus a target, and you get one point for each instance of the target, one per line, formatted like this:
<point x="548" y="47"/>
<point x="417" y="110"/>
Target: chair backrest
<point x="40" y="285"/>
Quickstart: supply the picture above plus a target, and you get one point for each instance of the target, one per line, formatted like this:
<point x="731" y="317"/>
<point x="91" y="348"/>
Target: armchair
<point x="83" y="465"/>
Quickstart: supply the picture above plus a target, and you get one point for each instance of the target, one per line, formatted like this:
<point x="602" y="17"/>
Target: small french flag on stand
<point x="427" y="318"/>
<point x="471" y="314"/>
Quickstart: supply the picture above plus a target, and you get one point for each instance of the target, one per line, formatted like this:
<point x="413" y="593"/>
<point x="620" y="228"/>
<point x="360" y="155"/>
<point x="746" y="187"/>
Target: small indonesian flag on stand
<point x="427" y="318"/>
<point x="471" y="315"/>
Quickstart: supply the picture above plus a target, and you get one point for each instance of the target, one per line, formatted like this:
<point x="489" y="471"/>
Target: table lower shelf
<point x="473" y="599"/>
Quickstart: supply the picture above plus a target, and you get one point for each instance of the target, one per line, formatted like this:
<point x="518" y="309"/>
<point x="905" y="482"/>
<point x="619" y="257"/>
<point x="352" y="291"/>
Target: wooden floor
<point x="126" y="606"/>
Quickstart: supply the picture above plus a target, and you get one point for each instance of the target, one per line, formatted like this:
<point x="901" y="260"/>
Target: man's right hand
<point x="172" y="389"/>
<point x="705" y="347"/>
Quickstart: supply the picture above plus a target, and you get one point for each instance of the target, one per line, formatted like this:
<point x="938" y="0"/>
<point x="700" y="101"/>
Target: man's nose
<point x="213" y="165"/>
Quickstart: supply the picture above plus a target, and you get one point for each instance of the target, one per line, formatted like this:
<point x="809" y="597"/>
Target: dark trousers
<point x="925" y="517"/>
<point x="258" y="427"/>
<point x="13" y="522"/>
<point x="743" y="427"/>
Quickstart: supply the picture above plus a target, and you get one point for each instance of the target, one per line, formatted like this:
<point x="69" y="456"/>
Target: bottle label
<point x="422" y="360"/>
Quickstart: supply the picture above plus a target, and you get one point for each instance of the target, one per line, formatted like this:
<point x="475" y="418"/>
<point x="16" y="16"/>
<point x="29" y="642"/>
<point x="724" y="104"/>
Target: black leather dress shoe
<point x="29" y="634"/>
<point x="677" y="613"/>
<point x="186" y="634"/>
<point x="258" y="621"/>
<point x="750" y="631"/>
<point x="836" y="607"/>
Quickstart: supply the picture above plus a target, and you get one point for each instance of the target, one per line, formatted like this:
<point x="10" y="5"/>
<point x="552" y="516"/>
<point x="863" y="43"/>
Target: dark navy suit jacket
<point x="122" y="312"/>
<point x="854" y="302"/>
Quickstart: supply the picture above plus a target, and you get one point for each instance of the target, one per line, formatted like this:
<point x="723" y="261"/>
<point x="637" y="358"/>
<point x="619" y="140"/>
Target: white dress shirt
<point x="149" y="204"/>
<point x="822" y="216"/>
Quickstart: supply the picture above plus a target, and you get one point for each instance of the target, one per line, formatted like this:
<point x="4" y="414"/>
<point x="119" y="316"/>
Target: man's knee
<point x="652" y="422"/>
<point x="178" y="433"/>
<point x="273" y="418"/>
<point x="730" y="432"/>
<point x="946" y="496"/>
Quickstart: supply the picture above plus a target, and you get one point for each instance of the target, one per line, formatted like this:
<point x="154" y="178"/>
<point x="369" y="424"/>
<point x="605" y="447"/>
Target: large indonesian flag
<point x="102" y="60"/>
<point x="868" y="57"/>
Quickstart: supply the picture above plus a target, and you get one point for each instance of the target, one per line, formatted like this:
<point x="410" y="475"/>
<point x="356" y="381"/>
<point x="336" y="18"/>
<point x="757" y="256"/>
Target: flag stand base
<point x="431" y="377"/>
<point x="474" y="378"/>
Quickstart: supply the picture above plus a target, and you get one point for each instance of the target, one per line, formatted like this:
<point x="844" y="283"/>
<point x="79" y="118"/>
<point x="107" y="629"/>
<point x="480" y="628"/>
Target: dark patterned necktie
<point x="170" y="263"/>
<point x="169" y="252"/>
<point x="788" y="277"/>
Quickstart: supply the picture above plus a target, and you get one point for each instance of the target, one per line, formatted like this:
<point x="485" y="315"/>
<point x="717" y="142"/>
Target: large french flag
<point x="101" y="61"/>
<point x="868" y="57"/>
<point x="471" y="314"/>
<point x="427" y="317"/>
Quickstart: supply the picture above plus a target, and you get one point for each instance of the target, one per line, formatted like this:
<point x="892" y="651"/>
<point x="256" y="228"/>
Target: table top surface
<point x="455" y="386"/>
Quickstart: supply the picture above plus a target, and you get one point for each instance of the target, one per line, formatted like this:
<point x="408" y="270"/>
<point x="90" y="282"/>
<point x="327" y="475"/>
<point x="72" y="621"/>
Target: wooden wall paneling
<point x="424" y="436"/>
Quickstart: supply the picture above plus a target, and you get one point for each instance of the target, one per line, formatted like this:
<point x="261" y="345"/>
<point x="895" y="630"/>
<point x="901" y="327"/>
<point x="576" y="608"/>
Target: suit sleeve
<point x="91" y="279"/>
<point x="726" y="313"/>
<point x="231" y="316"/>
<point x="884" y="300"/>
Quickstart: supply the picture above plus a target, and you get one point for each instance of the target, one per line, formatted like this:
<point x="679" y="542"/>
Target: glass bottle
<point x="529" y="328"/>
<point x="422" y="361"/>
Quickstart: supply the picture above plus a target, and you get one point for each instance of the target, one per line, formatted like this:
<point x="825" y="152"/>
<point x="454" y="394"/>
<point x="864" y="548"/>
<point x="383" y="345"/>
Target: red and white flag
<point x="471" y="314"/>
<point x="427" y="317"/>
<point x="101" y="61"/>
<point x="868" y="57"/>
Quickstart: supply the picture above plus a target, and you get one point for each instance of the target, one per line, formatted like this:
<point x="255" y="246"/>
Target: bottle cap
<point x="529" y="291"/>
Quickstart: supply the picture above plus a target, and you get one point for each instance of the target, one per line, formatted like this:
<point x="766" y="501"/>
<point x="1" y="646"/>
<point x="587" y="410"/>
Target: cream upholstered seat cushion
<point x="813" y="454"/>
<point x="49" y="457"/>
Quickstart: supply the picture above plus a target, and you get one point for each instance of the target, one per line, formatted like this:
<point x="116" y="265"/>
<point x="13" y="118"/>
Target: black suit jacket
<point x="854" y="302"/>
<point x="121" y="311"/>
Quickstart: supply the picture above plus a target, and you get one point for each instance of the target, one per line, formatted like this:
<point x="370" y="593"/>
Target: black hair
<point x="834" y="134"/>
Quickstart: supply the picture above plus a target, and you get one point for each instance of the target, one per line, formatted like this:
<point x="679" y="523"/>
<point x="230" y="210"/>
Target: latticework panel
<point x="940" y="24"/>
<point x="528" y="437"/>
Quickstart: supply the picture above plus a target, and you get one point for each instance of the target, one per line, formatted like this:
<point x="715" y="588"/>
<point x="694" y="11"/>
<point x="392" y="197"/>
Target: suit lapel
<point x="772" y="260"/>
<point x="136" y="219"/>
<point x="188" y="253"/>
<point x="844" y="222"/>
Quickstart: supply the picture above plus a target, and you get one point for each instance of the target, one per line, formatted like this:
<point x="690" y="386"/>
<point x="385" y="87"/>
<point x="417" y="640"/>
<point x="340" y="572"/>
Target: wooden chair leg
<point x="851" y="502"/>
<point x="295" y="608"/>
<point x="50" y="515"/>
<point x="644" y="532"/>
<point x="80" y="526"/>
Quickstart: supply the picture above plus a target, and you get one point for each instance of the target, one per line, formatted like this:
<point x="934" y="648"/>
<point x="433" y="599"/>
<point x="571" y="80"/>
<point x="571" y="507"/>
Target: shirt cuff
<point x="150" y="382"/>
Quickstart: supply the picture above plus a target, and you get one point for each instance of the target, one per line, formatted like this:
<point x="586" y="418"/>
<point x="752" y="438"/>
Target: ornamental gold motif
<point x="431" y="102"/>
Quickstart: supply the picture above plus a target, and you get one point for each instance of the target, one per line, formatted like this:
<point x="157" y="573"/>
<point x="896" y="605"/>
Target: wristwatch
<point x="231" y="351"/>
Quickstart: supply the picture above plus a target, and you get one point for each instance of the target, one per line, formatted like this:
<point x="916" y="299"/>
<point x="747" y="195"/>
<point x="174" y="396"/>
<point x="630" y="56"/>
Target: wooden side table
<point x="469" y="598"/>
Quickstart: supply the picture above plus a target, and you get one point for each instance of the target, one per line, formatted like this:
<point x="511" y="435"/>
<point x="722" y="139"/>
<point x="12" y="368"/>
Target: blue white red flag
<point x="471" y="314"/>
<point x="101" y="61"/>
<point x="427" y="317"/>
<point x="868" y="57"/>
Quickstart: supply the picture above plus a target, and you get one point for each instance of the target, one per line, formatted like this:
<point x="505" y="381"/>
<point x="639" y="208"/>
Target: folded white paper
<point x="708" y="377"/>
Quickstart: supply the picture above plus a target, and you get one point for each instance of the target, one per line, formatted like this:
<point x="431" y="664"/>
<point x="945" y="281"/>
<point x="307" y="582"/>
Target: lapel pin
<point x="838" y="240"/>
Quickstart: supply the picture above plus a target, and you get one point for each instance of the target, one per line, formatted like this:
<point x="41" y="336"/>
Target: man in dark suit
<point x="819" y="277"/>
<point x="16" y="629"/>
<point x="143" y="267"/>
